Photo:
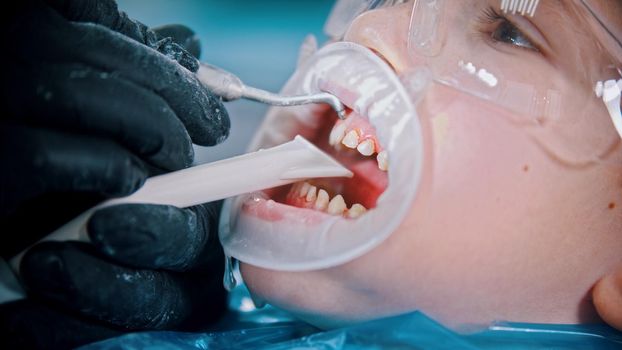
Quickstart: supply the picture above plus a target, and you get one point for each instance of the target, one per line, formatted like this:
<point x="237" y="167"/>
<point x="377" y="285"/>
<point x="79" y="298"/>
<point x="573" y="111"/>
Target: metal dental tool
<point x="230" y="88"/>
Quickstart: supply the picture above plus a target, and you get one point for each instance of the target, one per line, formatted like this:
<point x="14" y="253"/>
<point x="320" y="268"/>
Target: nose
<point x="384" y="31"/>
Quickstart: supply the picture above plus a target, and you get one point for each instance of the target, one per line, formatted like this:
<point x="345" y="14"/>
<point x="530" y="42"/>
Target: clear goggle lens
<point x="439" y="38"/>
<point x="345" y="11"/>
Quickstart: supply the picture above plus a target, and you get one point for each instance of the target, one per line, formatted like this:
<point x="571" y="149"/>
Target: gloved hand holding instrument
<point x="94" y="104"/>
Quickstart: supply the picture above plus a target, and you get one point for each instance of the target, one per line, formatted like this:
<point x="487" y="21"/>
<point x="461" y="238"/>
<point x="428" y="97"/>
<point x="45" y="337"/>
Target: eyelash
<point x="491" y="17"/>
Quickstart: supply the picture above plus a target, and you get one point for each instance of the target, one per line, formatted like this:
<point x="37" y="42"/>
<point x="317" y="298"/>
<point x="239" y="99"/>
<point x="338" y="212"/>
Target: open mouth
<point x="319" y="223"/>
<point x="353" y="142"/>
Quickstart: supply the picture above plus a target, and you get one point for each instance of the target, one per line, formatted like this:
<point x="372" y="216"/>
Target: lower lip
<point x="269" y="210"/>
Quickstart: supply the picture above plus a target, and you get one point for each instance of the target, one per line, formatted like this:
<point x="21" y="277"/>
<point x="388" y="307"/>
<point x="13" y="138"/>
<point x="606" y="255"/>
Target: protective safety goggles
<point x="432" y="43"/>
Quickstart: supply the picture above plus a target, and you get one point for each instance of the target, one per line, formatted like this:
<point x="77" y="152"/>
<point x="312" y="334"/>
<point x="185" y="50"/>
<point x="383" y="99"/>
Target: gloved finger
<point x="106" y="13"/>
<point x="52" y="210"/>
<point x="70" y="275"/>
<point x="30" y="324"/>
<point x="203" y="114"/>
<point x="158" y="236"/>
<point x="44" y="161"/>
<point x="85" y="100"/>
<point x="182" y="35"/>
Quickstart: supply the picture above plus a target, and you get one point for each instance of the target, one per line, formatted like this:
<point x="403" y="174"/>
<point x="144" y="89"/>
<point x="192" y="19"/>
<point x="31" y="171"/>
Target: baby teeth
<point x="312" y="193"/>
<point x="337" y="205"/>
<point x="304" y="189"/>
<point x="351" y="140"/>
<point x="383" y="160"/>
<point x="321" y="203"/>
<point x="337" y="134"/>
<point x="356" y="210"/>
<point x="366" y="148"/>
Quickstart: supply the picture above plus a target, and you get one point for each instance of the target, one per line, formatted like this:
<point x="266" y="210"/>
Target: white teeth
<point x="383" y="160"/>
<point x="312" y="194"/>
<point x="322" y="200"/>
<point x="356" y="210"/>
<point x="337" y="134"/>
<point x="337" y="205"/>
<point x="366" y="147"/>
<point x="304" y="189"/>
<point x="295" y="189"/>
<point x="351" y="140"/>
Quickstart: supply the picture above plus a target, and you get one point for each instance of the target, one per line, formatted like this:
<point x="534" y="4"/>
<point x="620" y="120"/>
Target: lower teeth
<point x="319" y="200"/>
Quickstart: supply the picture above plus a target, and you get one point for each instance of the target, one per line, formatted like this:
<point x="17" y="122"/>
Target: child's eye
<point x="498" y="29"/>
<point x="507" y="32"/>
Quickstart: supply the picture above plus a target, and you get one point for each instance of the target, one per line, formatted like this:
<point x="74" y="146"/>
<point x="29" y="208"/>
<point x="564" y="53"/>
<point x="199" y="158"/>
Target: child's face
<point x="515" y="218"/>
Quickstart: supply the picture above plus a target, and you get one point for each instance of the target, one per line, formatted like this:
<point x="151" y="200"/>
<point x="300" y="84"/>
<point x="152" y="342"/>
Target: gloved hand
<point x="94" y="103"/>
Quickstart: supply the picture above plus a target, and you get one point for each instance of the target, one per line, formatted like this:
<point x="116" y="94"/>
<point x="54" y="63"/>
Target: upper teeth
<point x="366" y="147"/>
<point x="352" y="139"/>
<point x="337" y="134"/>
<point x="383" y="160"/>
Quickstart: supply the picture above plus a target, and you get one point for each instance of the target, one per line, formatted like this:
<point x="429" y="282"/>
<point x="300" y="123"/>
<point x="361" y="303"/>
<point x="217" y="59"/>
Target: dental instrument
<point x="524" y="7"/>
<point x="287" y="163"/>
<point x="230" y="88"/>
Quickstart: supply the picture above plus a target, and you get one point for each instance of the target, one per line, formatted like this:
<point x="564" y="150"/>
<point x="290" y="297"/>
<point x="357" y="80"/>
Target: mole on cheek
<point x="612" y="206"/>
<point x="525" y="168"/>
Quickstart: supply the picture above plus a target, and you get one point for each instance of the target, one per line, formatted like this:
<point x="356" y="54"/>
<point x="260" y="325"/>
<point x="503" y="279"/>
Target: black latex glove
<point x="93" y="103"/>
<point x="168" y="276"/>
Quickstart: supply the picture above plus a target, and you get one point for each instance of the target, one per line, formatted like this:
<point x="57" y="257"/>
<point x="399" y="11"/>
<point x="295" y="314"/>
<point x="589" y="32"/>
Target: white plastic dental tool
<point x="230" y="88"/>
<point x="287" y="163"/>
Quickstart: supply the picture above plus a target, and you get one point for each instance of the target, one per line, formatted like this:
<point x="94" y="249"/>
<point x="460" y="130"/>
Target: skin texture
<point x="517" y="218"/>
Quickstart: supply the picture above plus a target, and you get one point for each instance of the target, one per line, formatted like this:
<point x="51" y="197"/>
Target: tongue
<point x="366" y="185"/>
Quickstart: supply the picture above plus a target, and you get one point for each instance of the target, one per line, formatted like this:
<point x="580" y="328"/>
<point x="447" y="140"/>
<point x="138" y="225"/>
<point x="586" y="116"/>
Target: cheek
<point x="487" y="220"/>
<point x="484" y="226"/>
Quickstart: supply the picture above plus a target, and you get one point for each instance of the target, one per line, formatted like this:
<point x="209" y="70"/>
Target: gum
<point x="366" y="131"/>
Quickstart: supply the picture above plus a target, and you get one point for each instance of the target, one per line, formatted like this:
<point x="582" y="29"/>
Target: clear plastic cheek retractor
<point x="287" y="163"/>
